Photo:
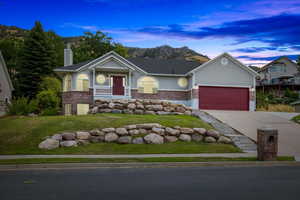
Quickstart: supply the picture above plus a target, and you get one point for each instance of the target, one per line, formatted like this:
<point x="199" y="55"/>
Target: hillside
<point x="161" y="52"/>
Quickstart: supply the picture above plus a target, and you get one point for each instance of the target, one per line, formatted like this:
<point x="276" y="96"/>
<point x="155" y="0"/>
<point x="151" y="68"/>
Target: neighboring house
<point x="6" y="86"/>
<point x="222" y="83"/>
<point x="281" y="71"/>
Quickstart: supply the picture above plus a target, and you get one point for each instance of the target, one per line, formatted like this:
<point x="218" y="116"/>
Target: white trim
<point x="180" y="75"/>
<point x="212" y="85"/>
<point x="179" y="90"/>
<point x="106" y="60"/>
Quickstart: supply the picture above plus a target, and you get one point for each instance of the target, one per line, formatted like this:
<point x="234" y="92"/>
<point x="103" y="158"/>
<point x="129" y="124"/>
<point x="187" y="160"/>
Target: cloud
<point x="84" y="27"/>
<point x="270" y="58"/>
<point x="260" y="49"/>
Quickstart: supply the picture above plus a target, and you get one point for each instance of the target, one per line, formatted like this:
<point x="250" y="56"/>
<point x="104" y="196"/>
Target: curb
<point x="22" y="167"/>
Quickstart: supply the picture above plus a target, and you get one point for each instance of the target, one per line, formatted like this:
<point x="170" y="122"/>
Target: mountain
<point x="161" y="52"/>
<point x="167" y="52"/>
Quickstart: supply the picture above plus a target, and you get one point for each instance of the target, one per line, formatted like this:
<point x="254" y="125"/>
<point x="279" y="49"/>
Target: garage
<point x="223" y="98"/>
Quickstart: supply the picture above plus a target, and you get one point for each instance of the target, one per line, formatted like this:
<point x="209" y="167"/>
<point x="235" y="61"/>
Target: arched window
<point x="67" y="83"/>
<point x="147" y="85"/>
<point x="82" y="83"/>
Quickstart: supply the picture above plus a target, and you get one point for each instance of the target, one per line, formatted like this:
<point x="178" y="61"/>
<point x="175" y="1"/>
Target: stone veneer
<point x="162" y="95"/>
<point x="77" y="97"/>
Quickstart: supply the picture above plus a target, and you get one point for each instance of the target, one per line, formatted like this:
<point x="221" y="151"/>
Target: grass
<point x="297" y="119"/>
<point x="21" y="135"/>
<point x="277" y="108"/>
<point x="130" y="160"/>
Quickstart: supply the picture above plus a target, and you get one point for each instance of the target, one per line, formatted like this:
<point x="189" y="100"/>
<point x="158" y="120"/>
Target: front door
<point x="118" y="87"/>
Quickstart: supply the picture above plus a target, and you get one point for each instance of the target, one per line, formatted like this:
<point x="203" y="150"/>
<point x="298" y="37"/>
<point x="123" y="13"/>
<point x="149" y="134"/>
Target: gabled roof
<point x="276" y="61"/>
<point x="5" y="71"/>
<point x="147" y="65"/>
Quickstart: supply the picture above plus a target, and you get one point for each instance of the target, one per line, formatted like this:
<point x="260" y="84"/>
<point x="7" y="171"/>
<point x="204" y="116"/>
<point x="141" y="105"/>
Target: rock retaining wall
<point x="139" y="106"/>
<point x="150" y="133"/>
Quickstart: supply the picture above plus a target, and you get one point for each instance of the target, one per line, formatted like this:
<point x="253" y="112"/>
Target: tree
<point x="37" y="61"/>
<point x="51" y="83"/>
<point x="58" y="46"/>
<point x="92" y="46"/>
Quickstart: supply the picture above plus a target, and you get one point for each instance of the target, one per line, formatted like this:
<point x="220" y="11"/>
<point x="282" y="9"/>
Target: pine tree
<point x="36" y="61"/>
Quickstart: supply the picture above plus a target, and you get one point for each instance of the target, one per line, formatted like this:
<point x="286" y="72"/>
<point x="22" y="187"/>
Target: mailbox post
<point x="267" y="144"/>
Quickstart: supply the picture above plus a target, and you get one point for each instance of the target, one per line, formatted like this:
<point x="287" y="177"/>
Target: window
<point x="101" y="79"/>
<point x="68" y="109"/>
<point x="147" y="85"/>
<point x="67" y="83"/>
<point x="182" y="82"/>
<point x="82" y="82"/>
<point x="83" y="109"/>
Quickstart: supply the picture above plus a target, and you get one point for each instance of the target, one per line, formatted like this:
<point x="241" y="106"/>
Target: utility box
<point x="267" y="144"/>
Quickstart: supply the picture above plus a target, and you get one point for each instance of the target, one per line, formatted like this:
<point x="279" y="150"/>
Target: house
<point x="6" y="86"/>
<point x="221" y="83"/>
<point x="281" y="71"/>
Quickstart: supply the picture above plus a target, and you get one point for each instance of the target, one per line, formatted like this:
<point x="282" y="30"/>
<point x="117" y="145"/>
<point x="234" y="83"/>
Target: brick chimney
<point x="68" y="55"/>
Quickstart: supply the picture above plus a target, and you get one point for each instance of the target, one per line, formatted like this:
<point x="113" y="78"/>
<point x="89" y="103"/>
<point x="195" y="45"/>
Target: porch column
<point x="94" y="82"/>
<point x="129" y="84"/>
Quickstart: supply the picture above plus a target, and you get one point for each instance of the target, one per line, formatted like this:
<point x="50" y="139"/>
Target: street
<point x="152" y="183"/>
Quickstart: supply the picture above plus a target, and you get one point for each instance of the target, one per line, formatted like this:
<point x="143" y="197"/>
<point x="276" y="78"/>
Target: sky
<point x="255" y="32"/>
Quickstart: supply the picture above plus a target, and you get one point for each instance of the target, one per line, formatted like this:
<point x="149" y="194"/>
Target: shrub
<point x="47" y="100"/>
<point x="22" y="106"/>
<point x="277" y="108"/>
<point x="50" y="112"/>
<point x="51" y="83"/>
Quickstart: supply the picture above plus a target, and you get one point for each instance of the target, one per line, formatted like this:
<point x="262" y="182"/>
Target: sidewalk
<point x="203" y="155"/>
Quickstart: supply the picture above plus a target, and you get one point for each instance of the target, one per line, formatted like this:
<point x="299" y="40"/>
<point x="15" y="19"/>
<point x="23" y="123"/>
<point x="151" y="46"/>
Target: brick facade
<point x="76" y="97"/>
<point x="163" y="95"/>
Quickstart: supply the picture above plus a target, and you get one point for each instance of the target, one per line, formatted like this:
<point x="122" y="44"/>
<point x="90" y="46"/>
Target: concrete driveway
<point x="248" y="122"/>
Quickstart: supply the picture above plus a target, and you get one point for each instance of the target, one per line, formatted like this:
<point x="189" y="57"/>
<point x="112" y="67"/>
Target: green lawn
<point x="297" y="119"/>
<point x="130" y="160"/>
<point x="21" y="135"/>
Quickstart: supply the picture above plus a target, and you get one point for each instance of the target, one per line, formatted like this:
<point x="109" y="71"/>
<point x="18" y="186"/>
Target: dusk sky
<point x="252" y="31"/>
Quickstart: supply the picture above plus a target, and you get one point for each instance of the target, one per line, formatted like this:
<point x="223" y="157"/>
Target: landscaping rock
<point x="83" y="142"/>
<point x="188" y="112"/>
<point x="185" y="138"/>
<point x="139" y="112"/>
<point x="111" y="105"/>
<point x="138" y="140"/>
<point x="142" y="131"/>
<point x="140" y="106"/>
<point x="116" y="111"/>
<point x="172" y="131"/>
<point x="162" y="113"/>
<point x="210" y="139"/>
<point x="121" y="131"/>
<point x="82" y="135"/>
<point x="171" y="138"/>
<point x="153" y="138"/>
<point x="201" y="131"/>
<point x="127" y="111"/>
<point x="159" y="131"/>
<point x="57" y="137"/>
<point x="97" y="139"/>
<point x="111" y="137"/>
<point x="197" y="137"/>
<point x="49" y="144"/>
<point x="94" y="110"/>
<point x="134" y="132"/>
<point x="224" y="140"/>
<point x="105" y="110"/>
<point x="131" y="106"/>
<point x="107" y="130"/>
<point x="186" y="130"/>
<point x="180" y="109"/>
<point x="125" y="140"/>
<point x="129" y="127"/>
<point x="213" y="133"/>
<point x="96" y="132"/>
<point x="69" y="143"/>
<point x="68" y="136"/>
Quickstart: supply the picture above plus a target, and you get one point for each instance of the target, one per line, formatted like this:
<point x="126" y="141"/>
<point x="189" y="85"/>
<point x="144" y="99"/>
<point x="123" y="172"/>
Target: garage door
<point x="223" y="98"/>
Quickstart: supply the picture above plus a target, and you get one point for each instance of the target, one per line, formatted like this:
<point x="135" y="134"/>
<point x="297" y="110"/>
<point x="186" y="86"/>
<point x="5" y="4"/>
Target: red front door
<point x="118" y="88"/>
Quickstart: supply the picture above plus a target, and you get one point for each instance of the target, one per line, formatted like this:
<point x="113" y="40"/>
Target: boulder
<point x="210" y="139"/>
<point x="138" y="140"/>
<point x="131" y="106"/>
<point x="83" y="142"/>
<point x="69" y="143"/>
<point x="140" y="106"/>
<point x="171" y="138"/>
<point x="97" y="139"/>
<point x="186" y="130"/>
<point x="157" y="107"/>
<point x="159" y="131"/>
<point x="172" y="131"/>
<point x="162" y="113"/>
<point x="185" y="138"/>
<point x="107" y="130"/>
<point x="188" y="112"/>
<point x="111" y="137"/>
<point x="155" y="101"/>
<point x="111" y="105"/>
<point x="180" y="109"/>
<point x="96" y="132"/>
<point x="49" y="144"/>
<point x="197" y="137"/>
<point x="153" y="138"/>
<point x="105" y="110"/>
<point x="142" y="131"/>
<point x="68" y="136"/>
<point x="94" y="110"/>
<point x="116" y="111"/>
<point x="127" y="111"/>
<point x="224" y="140"/>
<point x="57" y="137"/>
<point x="82" y="135"/>
<point x="121" y="131"/>
<point x="124" y="140"/>
<point x="201" y="131"/>
<point x="169" y="109"/>
<point x="213" y="133"/>
<point x="134" y="132"/>
<point x="130" y="127"/>
<point x="139" y="112"/>
<point x="148" y="125"/>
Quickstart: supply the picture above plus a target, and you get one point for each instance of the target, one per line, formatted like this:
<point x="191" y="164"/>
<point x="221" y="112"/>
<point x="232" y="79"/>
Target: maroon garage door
<point x="223" y="98"/>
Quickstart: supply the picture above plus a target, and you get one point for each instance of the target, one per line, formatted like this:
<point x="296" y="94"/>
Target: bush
<point x="22" y="106"/>
<point x="51" y="83"/>
<point x="277" y="108"/>
<point x="50" y="112"/>
<point x="47" y="100"/>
